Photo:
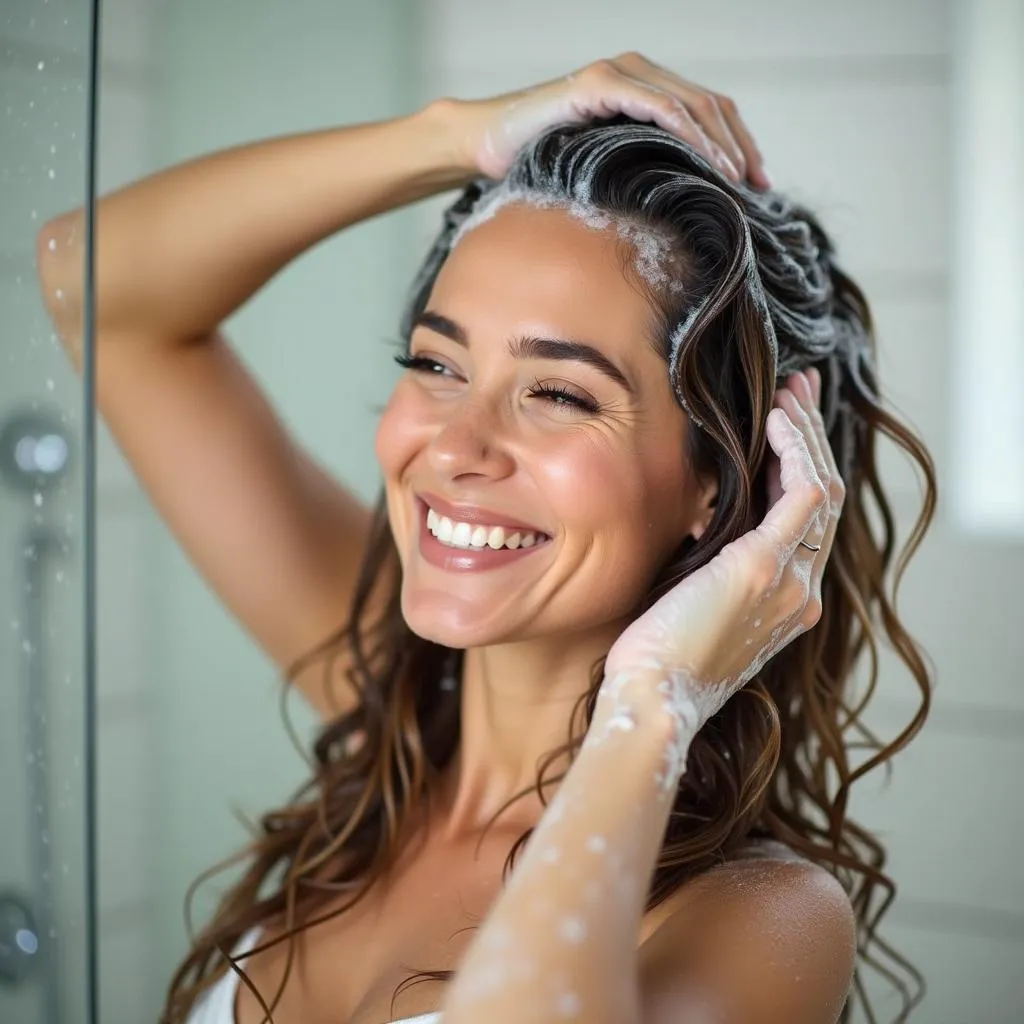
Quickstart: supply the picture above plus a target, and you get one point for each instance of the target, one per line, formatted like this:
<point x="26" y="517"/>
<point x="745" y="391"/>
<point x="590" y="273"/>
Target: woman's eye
<point x="421" y="364"/>
<point x="554" y="394"/>
<point x="564" y="398"/>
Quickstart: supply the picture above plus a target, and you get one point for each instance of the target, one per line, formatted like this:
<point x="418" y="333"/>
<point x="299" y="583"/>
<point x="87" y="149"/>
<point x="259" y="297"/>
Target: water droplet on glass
<point x="26" y="646"/>
<point x="37" y="499"/>
<point x="49" y="384"/>
<point x="41" y="65"/>
<point x="51" y="173"/>
<point x="59" y="576"/>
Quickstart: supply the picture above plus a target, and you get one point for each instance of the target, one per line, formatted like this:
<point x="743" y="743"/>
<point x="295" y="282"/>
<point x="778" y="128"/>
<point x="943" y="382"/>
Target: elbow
<point x="60" y="265"/>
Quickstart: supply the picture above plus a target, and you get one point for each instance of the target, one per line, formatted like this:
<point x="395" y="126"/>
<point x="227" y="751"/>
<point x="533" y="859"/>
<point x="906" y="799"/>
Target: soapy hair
<point x="744" y="288"/>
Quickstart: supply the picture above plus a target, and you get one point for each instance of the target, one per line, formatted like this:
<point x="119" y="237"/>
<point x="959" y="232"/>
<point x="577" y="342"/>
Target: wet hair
<point x="752" y="293"/>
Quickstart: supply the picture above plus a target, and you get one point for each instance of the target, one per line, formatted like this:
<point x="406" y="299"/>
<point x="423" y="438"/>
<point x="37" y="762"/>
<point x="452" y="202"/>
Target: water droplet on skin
<point x="568" y="1004"/>
<point x="52" y="243"/>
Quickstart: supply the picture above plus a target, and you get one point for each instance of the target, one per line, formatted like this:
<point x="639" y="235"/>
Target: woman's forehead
<point x="543" y="264"/>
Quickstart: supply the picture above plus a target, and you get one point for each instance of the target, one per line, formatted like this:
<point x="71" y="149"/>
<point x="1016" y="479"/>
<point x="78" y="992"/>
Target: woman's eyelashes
<point x="558" y="395"/>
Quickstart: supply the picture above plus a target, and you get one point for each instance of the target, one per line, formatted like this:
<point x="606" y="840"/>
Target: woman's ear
<point x="704" y="505"/>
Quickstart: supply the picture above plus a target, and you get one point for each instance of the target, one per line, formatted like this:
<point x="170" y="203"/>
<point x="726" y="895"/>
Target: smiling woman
<point x="504" y="410"/>
<point x="631" y="546"/>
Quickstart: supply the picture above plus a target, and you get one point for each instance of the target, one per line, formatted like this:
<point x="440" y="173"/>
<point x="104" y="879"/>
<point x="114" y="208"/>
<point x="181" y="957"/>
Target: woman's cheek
<point x="400" y="430"/>
<point x="589" y="478"/>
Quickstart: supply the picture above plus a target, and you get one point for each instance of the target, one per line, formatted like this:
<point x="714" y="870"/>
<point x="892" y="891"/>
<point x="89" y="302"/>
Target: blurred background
<point x="902" y="125"/>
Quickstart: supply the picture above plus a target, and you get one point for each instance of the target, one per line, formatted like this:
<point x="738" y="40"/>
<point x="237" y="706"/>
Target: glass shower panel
<point x="45" y="53"/>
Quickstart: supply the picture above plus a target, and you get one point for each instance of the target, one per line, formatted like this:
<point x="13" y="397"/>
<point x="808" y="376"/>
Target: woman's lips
<point x="475" y="515"/>
<point x="454" y="559"/>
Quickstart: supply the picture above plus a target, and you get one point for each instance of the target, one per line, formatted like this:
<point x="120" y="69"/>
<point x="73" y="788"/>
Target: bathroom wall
<point x="190" y="724"/>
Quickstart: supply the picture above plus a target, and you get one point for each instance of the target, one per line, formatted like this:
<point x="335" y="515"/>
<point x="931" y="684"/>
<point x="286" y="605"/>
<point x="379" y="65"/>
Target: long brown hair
<point x="761" y="296"/>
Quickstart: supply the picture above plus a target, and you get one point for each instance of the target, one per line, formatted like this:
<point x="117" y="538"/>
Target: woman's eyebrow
<point x="529" y="347"/>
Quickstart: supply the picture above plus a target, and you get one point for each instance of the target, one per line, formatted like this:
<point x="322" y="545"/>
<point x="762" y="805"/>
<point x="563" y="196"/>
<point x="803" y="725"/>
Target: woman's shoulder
<point x="771" y="879"/>
<point x="762" y="869"/>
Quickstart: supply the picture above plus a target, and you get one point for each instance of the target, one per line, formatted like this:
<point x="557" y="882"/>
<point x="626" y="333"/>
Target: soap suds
<point x="572" y="929"/>
<point x="653" y="250"/>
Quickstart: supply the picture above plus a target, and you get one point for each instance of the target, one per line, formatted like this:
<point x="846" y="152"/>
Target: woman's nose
<point x="470" y="441"/>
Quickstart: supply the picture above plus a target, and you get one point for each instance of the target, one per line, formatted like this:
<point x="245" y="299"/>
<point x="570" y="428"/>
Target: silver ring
<point x="808" y="546"/>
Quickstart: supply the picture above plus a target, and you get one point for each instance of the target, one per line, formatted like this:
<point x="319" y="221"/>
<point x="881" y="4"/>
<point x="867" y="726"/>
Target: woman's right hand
<point x="490" y="131"/>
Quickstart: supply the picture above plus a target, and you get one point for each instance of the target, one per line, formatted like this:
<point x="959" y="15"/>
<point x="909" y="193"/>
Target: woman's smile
<point x="468" y="540"/>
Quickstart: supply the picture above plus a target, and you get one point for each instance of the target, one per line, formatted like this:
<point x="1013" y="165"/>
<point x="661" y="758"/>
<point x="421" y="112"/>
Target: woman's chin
<point x="443" y="619"/>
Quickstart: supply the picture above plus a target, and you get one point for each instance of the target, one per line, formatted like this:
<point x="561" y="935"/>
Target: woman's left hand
<point x="716" y="629"/>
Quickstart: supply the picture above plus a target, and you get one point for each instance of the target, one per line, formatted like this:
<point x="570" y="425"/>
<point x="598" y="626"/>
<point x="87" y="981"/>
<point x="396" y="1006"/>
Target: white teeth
<point x="464" y="535"/>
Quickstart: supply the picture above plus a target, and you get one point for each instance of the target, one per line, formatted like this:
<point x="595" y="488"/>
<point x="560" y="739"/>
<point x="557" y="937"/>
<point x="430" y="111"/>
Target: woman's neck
<point x="516" y="705"/>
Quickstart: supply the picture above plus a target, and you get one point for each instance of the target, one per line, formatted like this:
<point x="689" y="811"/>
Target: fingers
<point x="708" y="121"/>
<point x="798" y="401"/>
<point x="756" y="173"/>
<point x="717" y="115"/>
<point x="705" y="109"/>
<point x="814" y="380"/>
<point x="804" y="392"/>
<point x="836" y="487"/>
<point x="803" y="494"/>
<point x="627" y="86"/>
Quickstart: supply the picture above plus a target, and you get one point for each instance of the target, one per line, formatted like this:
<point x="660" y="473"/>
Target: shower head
<point x="19" y="939"/>
<point x="35" y="450"/>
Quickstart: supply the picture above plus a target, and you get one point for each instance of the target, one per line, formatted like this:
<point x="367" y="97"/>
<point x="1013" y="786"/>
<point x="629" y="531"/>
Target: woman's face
<point x="597" y="472"/>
